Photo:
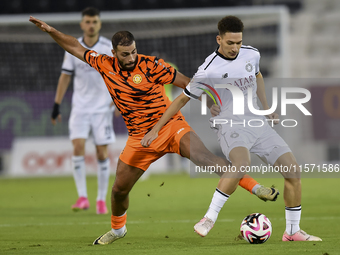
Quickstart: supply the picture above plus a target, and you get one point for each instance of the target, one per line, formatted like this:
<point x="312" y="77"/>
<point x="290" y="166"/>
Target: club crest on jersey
<point x="137" y="79"/>
<point x="249" y="67"/>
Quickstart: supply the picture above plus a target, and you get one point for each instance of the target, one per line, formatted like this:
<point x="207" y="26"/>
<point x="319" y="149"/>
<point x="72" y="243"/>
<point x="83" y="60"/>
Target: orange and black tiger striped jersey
<point x="139" y="95"/>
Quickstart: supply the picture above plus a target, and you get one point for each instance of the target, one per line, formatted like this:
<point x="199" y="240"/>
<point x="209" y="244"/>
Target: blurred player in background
<point x="238" y="65"/>
<point x="92" y="110"/>
<point x="135" y="82"/>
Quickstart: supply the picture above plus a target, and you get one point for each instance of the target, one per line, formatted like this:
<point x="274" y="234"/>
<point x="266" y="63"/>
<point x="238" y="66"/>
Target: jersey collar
<point x="82" y="39"/>
<point x="220" y="55"/>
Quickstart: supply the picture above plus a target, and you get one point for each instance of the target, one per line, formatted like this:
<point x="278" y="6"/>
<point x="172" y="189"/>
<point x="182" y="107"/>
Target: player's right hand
<point x="55" y="114"/>
<point x="41" y="24"/>
<point x="148" y="138"/>
<point x="215" y="110"/>
<point x="275" y="117"/>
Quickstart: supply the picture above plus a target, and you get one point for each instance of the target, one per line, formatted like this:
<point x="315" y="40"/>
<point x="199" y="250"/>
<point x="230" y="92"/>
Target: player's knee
<point x="78" y="150"/>
<point x="102" y="155"/>
<point x="102" y="152"/>
<point x="291" y="170"/>
<point x="119" y="192"/>
<point x="241" y="163"/>
<point x="202" y="159"/>
<point x="293" y="179"/>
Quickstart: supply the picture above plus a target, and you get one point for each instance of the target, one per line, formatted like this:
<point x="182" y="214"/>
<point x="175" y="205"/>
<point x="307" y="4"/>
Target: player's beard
<point x="127" y="68"/>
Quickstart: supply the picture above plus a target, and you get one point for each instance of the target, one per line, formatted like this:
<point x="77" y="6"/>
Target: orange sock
<point x="247" y="183"/>
<point x="118" y="222"/>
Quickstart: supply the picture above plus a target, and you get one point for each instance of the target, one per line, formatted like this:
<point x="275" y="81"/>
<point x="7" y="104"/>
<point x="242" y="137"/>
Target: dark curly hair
<point x="122" y="38"/>
<point x="230" y="24"/>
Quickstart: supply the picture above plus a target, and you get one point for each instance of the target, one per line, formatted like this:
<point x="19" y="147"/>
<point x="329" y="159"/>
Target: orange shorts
<point x="168" y="140"/>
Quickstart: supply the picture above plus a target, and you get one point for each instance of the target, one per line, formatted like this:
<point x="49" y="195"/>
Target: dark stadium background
<point x="43" y="6"/>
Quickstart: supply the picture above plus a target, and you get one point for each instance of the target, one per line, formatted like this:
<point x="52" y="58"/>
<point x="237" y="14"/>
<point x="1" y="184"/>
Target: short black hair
<point x="230" y="24"/>
<point x="90" y="11"/>
<point x="122" y="38"/>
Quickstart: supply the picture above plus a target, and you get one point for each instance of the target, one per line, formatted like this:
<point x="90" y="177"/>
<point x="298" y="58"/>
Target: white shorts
<point x="100" y="124"/>
<point x="262" y="141"/>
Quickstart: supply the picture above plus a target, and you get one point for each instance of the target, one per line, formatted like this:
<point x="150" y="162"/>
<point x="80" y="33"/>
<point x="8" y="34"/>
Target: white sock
<point x="255" y="188"/>
<point x="103" y="174"/>
<point x="216" y="205"/>
<point x="79" y="174"/>
<point x="120" y="231"/>
<point x="293" y="216"/>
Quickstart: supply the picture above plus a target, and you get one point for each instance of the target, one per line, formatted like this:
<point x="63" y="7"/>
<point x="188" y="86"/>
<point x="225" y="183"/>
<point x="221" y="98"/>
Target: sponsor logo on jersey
<point x="137" y="79"/>
<point x="179" y="131"/>
<point x="225" y="76"/>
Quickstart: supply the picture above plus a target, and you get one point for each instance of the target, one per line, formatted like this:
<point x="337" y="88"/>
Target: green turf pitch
<point x="36" y="218"/>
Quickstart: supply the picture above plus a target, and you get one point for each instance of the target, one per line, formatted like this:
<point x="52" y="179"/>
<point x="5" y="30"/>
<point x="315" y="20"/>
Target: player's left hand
<point x="274" y="116"/>
<point x="148" y="138"/>
<point x="215" y="110"/>
<point x="41" y="24"/>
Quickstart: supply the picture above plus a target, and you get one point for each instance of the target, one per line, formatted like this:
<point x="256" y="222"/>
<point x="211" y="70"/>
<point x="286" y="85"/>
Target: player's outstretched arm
<point x="181" y="80"/>
<point x="175" y="106"/>
<point x="67" y="42"/>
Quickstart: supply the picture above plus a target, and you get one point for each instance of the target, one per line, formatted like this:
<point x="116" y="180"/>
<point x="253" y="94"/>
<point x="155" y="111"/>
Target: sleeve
<point x="162" y="72"/>
<point x="94" y="59"/>
<point x="195" y="87"/>
<point x="257" y="65"/>
<point x="68" y="64"/>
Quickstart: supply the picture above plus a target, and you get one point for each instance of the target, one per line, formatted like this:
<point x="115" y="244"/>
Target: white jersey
<point x="240" y="75"/>
<point x="90" y="94"/>
<point x="240" y="72"/>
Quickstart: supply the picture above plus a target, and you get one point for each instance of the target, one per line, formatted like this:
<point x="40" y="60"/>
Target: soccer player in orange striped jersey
<point x="135" y="83"/>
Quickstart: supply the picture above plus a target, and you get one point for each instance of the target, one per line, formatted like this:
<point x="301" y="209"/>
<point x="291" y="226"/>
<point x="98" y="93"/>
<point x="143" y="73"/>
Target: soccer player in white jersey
<point x="92" y="110"/>
<point x="238" y="65"/>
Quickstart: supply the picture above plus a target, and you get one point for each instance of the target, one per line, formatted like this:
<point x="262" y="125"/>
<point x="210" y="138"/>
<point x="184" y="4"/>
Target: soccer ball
<point x="256" y="228"/>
